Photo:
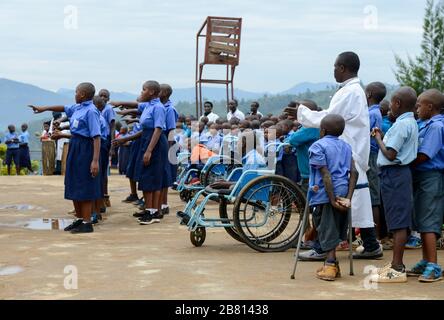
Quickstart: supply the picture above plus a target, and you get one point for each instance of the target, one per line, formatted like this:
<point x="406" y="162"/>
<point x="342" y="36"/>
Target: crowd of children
<point x="405" y="165"/>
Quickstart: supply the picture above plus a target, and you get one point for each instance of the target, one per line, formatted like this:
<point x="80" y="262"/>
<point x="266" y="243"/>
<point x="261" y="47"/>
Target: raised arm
<point x="126" y="105"/>
<point x="41" y="109"/>
<point x="123" y="140"/>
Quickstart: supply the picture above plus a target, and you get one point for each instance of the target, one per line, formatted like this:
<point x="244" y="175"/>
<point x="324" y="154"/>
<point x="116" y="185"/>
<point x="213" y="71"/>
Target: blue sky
<point x="121" y="43"/>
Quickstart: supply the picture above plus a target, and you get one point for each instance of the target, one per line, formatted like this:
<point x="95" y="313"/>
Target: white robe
<point x="350" y="102"/>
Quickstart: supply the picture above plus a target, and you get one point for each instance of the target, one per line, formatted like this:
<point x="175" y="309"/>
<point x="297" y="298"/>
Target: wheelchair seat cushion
<point x="221" y="188"/>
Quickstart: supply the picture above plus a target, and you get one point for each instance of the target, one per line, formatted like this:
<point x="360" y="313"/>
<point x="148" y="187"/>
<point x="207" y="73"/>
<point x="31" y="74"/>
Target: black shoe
<point x="139" y="214"/>
<point x="83" y="228"/>
<point x="74" y="225"/>
<point x="369" y="255"/>
<point x="102" y="210"/>
<point x="166" y="210"/>
<point x="150" y="218"/>
<point x="131" y="198"/>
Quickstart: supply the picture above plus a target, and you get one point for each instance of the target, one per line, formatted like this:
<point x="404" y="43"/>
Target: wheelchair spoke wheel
<point x="268" y="213"/>
<point x="218" y="171"/>
<point x="198" y="236"/>
<point x="223" y="214"/>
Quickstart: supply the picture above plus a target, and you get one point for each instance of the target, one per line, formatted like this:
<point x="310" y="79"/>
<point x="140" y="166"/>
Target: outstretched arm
<point x="126" y="105"/>
<point x="41" y="109"/>
<point x="127" y="112"/>
<point x="123" y="140"/>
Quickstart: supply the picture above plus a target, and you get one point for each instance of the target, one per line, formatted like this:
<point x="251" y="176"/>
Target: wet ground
<point x="123" y="260"/>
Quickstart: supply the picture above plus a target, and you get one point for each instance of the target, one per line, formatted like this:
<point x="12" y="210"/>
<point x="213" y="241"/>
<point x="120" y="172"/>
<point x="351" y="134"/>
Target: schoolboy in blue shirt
<point x="396" y="152"/>
<point x="375" y="92"/>
<point x="25" y="157"/>
<point x="301" y="140"/>
<point x="428" y="184"/>
<point x="12" y="151"/>
<point x="171" y="116"/>
<point x="333" y="179"/>
<point x="82" y="181"/>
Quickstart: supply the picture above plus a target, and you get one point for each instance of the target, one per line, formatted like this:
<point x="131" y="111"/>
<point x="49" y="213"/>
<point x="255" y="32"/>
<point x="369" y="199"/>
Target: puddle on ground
<point x="20" y="207"/>
<point x="40" y="224"/>
<point x="6" y="271"/>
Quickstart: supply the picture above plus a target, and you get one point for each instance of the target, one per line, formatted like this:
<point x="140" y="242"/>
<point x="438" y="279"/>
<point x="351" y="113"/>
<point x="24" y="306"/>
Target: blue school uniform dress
<point x="171" y="116"/>
<point x="336" y="155"/>
<point x="428" y="178"/>
<point x="396" y="177"/>
<point x="104" y="152"/>
<point x="133" y="153"/>
<point x="123" y="153"/>
<point x="84" y="122"/>
<point x="12" y="151"/>
<point x="154" y="176"/>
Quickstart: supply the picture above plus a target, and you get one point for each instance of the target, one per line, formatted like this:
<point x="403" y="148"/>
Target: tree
<point x="426" y="70"/>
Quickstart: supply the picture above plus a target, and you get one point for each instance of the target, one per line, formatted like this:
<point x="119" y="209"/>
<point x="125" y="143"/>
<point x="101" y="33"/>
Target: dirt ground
<point x="123" y="260"/>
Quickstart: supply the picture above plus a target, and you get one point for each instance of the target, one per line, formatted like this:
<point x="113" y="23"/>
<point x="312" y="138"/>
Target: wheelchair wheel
<point x="218" y="171"/>
<point x="198" y="236"/>
<point x="268" y="213"/>
<point x="223" y="214"/>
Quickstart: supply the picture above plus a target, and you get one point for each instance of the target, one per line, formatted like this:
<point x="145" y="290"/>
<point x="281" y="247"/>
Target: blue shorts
<point x="373" y="180"/>
<point x="397" y="196"/>
<point x="12" y="154"/>
<point x="428" y="191"/>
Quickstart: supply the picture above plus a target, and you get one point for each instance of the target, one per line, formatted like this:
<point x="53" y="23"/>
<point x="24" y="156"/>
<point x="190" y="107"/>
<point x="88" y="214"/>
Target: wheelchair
<point x="266" y="214"/>
<point x="216" y="168"/>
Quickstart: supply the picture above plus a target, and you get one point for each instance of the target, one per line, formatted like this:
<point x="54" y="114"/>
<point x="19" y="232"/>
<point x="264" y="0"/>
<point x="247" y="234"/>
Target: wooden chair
<point x="222" y="47"/>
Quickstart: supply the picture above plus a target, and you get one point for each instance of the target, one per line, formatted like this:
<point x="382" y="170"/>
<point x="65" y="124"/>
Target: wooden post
<point x="48" y="157"/>
<point x="64" y="156"/>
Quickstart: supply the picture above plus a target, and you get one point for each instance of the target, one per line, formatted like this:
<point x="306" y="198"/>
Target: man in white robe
<point x="350" y="102"/>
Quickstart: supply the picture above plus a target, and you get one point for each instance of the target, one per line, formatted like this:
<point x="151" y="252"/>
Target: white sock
<point x="416" y="234"/>
<point x="164" y="206"/>
<point x="152" y="210"/>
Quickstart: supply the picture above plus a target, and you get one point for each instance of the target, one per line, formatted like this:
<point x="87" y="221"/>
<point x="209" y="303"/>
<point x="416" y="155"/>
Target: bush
<point x="4" y="168"/>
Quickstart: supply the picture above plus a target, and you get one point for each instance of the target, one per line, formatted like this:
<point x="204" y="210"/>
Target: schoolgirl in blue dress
<point x="152" y="156"/>
<point x="82" y="180"/>
<point x="170" y="124"/>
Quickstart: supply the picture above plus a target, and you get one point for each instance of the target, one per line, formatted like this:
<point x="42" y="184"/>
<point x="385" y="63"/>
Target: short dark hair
<point x="350" y="61"/>
<point x="210" y="103"/>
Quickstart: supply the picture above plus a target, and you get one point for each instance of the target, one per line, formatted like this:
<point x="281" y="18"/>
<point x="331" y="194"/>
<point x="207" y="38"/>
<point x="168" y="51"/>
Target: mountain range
<point x="15" y="96"/>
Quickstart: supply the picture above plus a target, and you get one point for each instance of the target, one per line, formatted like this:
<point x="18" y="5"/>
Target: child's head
<point x="255" y="124"/>
<point x="188" y="121"/>
<point x="99" y="102"/>
<point x="201" y="126"/>
<point x="104" y="94"/>
<point x="244" y="124"/>
<point x="118" y="126"/>
<point x="375" y="92"/>
<point x="85" y="92"/>
<point x="286" y="126"/>
<point x="150" y="90"/>
<point x="274" y="119"/>
<point x="310" y="104"/>
<point x="11" y="128"/>
<point x="179" y="125"/>
<point x="429" y="104"/>
<point x="213" y="129"/>
<point x="124" y="130"/>
<point x="296" y="125"/>
<point x="24" y="127"/>
<point x="333" y="125"/>
<point x="234" y="129"/>
<point x="403" y="100"/>
<point x="165" y="92"/>
<point x="234" y="121"/>
<point x="384" y="106"/>
<point x="267" y="124"/>
<point x="46" y="126"/>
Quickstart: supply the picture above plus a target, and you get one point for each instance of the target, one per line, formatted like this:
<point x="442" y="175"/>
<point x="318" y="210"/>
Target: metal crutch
<point x="350" y="241"/>
<point x="301" y="234"/>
